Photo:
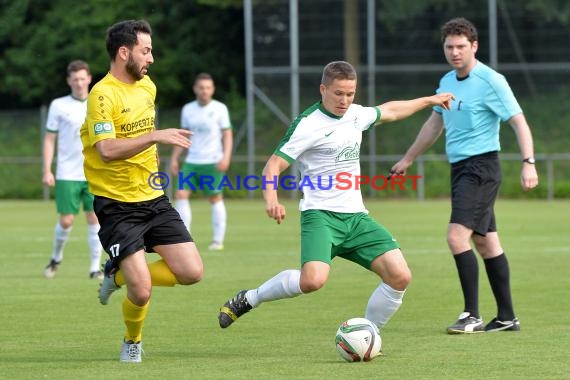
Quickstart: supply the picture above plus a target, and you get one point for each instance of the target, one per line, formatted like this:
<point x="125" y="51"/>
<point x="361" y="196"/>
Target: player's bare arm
<point x="430" y="132"/>
<point x="120" y="149"/>
<point x="274" y="167"/>
<point x="529" y="176"/>
<point x="401" y="109"/>
<point x="48" y="149"/>
<point x="177" y="151"/>
<point x="228" y="144"/>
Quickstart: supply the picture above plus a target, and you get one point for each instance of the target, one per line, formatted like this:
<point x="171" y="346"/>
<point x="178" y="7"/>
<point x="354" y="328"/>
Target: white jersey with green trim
<point x="327" y="150"/>
<point x="65" y="117"/>
<point x="206" y="122"/>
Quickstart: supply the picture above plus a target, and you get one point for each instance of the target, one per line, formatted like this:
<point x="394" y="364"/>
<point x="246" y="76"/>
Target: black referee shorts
<point x="128" y="227"/>
<point x="475" y="183"/>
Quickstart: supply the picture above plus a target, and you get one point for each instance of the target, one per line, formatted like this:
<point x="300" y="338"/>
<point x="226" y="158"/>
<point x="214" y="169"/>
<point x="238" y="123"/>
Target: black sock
<point x="468" y="270"/>
<point x="499" y="278"/>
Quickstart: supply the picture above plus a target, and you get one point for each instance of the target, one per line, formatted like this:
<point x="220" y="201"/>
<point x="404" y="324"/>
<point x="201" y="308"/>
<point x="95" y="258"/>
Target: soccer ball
<point x="358" y="339"/>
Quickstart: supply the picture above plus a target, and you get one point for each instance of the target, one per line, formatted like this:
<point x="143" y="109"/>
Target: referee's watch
<point x="529" y="160"/>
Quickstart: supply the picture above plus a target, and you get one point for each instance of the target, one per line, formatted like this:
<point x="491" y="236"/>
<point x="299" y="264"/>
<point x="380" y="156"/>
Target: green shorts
<point x="355" y="237"/>
<point x="204" y="177"/>
<point x="70" y="194"/>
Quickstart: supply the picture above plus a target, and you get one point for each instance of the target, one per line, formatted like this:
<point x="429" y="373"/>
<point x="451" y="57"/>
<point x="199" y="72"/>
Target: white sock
<point x="95" y="247"/>
<point x="183" y="208"/>
<point x="219" y="218"/>
<point x="284" y="285"/>
<point x="60" y="237"/>
<point x="383" y="303"/>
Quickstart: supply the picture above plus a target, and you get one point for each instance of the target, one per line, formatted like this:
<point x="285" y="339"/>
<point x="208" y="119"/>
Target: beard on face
<point x="133" y="70"/>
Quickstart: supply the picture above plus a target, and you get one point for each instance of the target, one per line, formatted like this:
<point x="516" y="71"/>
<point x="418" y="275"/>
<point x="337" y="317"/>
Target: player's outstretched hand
<point x="174" y="136"/>
<point x="443" y="100"/>
<point x="276" y="211"/>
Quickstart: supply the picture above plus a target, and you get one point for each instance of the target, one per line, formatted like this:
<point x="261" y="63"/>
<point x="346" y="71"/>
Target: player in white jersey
<point x="325" y="141"/>
<point x="209" y="157"/>
<point x="65" y="117"/>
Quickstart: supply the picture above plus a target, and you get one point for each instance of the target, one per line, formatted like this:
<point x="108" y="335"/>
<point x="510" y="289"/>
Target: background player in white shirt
<point x="325" y="141"/>
<point x="65" y="117"/>
<point x="210" y="155"/>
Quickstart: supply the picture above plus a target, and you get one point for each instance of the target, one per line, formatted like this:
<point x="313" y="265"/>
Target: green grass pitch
<point x="56" y="329"/>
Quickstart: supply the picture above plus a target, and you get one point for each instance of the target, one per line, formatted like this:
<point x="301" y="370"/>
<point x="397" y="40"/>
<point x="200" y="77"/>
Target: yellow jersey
<point x="118" y="110"/>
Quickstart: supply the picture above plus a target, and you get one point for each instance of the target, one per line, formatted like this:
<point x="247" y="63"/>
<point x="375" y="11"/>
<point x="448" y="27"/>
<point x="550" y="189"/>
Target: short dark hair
<point x="203" y="76"/>
<point x="77" y="65"/>
<point x="337" y="70"/>
<point x="124" y="33"/>
<point x="457" y="27"/>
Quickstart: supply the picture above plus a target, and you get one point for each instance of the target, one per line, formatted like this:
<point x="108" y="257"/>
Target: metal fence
<point x="287" y="43"/>
<point x="21" y="162"/>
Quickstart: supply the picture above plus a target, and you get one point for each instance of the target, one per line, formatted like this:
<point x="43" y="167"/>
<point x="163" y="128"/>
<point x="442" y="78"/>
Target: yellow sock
<point x="160" y="275"/>
<point x="119" y="279"/>
<point x="134" y="316"/>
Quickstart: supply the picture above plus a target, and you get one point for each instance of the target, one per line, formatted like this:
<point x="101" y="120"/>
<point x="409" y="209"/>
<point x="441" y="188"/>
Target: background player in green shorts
<point x="65" y="116"/>
<point x="325" y="140"/>
<point x="209" y="157"/>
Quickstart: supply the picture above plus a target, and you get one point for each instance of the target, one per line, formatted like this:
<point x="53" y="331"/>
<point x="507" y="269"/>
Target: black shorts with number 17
<point x="128" y="227"/>
<point x="475" y="182"/>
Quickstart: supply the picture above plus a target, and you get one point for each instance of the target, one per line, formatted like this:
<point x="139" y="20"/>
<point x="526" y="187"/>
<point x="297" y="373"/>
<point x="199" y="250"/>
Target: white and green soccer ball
<point x="358" y="339"/>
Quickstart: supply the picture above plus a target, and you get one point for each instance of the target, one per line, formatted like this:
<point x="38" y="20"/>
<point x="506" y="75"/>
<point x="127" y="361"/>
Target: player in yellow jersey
<point x="119" y="140"/>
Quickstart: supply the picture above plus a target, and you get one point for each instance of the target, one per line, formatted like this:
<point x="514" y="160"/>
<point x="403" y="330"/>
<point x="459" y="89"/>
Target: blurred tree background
<point x="38" y="38"/>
